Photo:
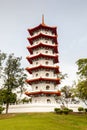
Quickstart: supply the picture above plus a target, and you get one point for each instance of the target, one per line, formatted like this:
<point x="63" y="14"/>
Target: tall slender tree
<point x="13" y="75"/>
<point x="82" y="83"/>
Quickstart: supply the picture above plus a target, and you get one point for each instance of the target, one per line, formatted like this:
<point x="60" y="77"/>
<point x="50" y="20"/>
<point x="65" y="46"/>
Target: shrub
<point x="85" y="109"/>
<point x="58" y="110"/>
<point x="70" y="110"/>
<point x="66" y="110"/>
<point x="1" y="109"/>
<point x="80" y="109"/>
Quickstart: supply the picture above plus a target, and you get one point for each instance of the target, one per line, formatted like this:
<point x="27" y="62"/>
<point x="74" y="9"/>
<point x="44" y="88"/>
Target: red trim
<point x="30" y="39"/>
<point x="54" y="57"/>
<point x="30" y="81"/>
<point x="31" y="48"/>
<point x="43" y="92"/>
<point x="56" y="69"/>
<point x="42" y="26"/>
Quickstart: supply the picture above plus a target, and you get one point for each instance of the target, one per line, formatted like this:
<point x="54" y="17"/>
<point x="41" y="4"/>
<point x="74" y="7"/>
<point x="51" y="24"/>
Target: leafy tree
<point x="14" y="76"/>
<point x="81" y="91"/>
<point x="82" y="68"/>
<point x="4" y="97"/>
<point x="2" y="59"/>
<point x="82" y="83"/>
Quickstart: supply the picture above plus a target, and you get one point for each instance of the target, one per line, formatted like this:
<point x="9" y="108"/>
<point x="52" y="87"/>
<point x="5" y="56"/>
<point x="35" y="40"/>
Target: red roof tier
<point x="42" y="26"/>
<point x="54" y="47"/>
<point x="40" y="35"/>
<point x="43" y="92"/>
<point x="54" y="57"/>
<point x="55" y="68"/>
<point x="56" y="80"/>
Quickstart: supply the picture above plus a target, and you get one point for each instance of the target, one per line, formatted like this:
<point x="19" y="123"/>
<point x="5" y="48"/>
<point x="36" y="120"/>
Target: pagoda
<point x="43" y="59"/>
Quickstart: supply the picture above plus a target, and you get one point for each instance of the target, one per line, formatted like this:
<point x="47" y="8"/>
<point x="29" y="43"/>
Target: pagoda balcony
<point x="35" y="68"/>
<point x="45" y="92"/>
<point x="42" y="27"/>
<point x="39" y="45"/>
<point x="40" y="55"/>
<point x="43" y="79"/>
<point x="31" y="39"/>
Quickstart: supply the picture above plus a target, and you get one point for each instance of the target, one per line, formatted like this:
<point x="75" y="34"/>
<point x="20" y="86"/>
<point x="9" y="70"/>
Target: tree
<point x="82" y="68"/>
<point x="82" y="82"/>
<point x="14" y="76"/>
<point x="2" y="59"/>
<point x="4" y="97"/>
<point x="82" y="91"/>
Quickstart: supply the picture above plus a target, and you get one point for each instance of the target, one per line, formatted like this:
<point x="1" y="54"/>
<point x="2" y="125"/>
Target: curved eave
<point x="42" y="26"/>
<point x="56" y="81"/>
<point x="31" y="48"/>
<point x="30" y="39"/>
<point x="54" y="57"/>
<point x="56" y="69"/>
<point x="58" y="93"/>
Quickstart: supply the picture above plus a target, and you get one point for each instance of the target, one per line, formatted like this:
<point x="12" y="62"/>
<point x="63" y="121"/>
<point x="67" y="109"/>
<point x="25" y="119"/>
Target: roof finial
<point x="43" y="19"/>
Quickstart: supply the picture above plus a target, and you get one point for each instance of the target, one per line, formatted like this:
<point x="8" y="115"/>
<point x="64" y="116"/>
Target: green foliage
<point x="82" y="84"/>
<point x="80" y="109"/>
<point x="85" y="109"/>
<point x="1" y="109"/>
<point x="82" y="90"/>
<point x="82" y="68"/>
<point x="13" y="75"/>
<point x="64" y="110"/>
<point x="5" y="97"/>
<point x="58" y="111"/>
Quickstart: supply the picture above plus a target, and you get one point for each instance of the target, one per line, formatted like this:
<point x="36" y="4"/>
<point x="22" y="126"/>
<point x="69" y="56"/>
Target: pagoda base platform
<point x="25" y="108"/>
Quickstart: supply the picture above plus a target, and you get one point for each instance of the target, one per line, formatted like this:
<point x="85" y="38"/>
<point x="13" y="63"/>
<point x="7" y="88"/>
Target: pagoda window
<point x="36" y="63"/>
<point x="46" y="32"/>
<point x="47" y="74"/>
<point x="46" y="41"/>
<point x="47" y="62"/>
<point x="36" y="74"/>
<point x="46" y="51"/>
<point x="36" y="87"/>
<point x="48" y="101"/>
<point x="47" y="87"/>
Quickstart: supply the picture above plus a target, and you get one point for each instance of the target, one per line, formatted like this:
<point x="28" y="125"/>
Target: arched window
<point x="47" y="74"/>
<point x="36" y="63"/>
<point x="47" y="87"/>
<point x="47" y="62"/>
<point x="48" y="101"/>
<point x="46" y="51"/>
<point x="46" y="41"/>
<point x="36" y="87"/>
<point x="36" y="74"/>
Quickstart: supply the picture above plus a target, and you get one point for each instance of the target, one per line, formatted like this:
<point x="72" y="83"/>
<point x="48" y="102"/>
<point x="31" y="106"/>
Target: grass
<point x="43" y="121"/>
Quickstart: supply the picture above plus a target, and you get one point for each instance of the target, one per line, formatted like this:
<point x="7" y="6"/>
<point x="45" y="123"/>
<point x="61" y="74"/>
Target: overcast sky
<point x="70" y="17"/>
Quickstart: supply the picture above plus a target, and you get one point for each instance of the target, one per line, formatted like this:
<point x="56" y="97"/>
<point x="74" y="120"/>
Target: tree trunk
<point x="7" y="106"/>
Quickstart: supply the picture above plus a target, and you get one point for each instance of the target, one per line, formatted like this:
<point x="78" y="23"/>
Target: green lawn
<point x="43" y="121"/>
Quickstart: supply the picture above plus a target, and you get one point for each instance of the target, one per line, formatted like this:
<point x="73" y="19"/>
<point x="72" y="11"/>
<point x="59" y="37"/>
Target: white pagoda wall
<point x="40" y="61"/>
<point x="42" y="86"/>
<point x="43" y="50"/>
<point x="43" y="99"/>
<point x="42" y="73"/>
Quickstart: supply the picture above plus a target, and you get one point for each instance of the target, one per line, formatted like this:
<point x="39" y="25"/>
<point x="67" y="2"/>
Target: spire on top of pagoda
<point x="43" y="19"/>
<point x="42" y="25"/>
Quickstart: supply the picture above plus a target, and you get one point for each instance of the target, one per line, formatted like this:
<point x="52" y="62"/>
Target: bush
<point x="58" y="110"/>
<point x="70" y="110"/>
<point x="85" y="109"/>
<point x="1" y="109"/>
<point x="66" y="110"/>
<point x="80" y="109"/>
